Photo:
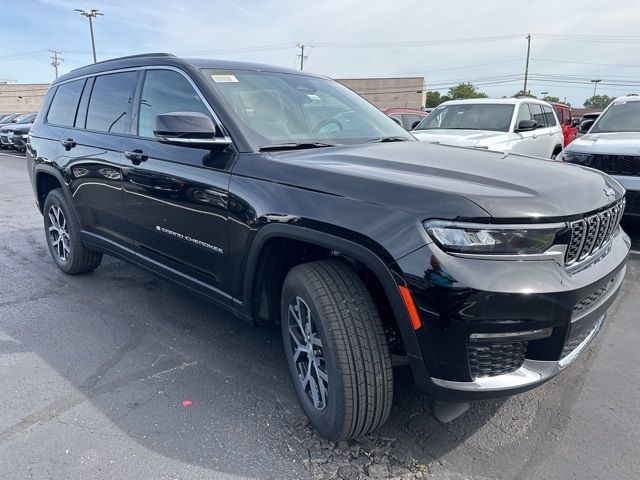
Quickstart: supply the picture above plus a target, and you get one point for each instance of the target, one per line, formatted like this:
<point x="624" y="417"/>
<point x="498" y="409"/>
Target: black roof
<point x="150" y="59"/>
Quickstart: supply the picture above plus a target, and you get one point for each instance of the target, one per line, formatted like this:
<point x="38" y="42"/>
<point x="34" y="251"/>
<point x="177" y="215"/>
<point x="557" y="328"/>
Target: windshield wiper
<point x="294" y="146"/>
<point x="387" y="139"/>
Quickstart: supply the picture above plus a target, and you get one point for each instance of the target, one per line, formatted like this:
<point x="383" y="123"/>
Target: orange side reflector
<point x="411" y="307"/>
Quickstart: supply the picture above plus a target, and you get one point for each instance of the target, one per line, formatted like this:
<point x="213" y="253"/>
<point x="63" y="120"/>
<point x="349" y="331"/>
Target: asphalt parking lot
<point x="94" y="371"/>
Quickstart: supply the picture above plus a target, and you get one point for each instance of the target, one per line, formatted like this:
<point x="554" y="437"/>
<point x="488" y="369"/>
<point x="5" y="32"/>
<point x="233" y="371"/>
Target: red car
<point x="407" y="117"/>
<point x="569" y="131"/>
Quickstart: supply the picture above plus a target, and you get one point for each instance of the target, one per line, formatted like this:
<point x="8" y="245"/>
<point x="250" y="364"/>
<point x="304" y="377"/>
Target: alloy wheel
<point x="307" y="353"/>
<point x="59" y="233"/>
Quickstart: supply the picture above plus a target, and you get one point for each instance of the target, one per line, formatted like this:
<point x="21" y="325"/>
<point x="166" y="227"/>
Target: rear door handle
<point x="68" y="144"/>
<point x="136" y="156"/>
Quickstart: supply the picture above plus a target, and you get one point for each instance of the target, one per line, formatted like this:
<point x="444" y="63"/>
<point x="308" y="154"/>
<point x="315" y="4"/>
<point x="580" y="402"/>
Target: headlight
<point x="493" y="239"/>
<point x="574" y="157"/>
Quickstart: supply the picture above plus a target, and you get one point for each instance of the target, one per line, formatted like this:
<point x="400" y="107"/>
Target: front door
<point x="524" y="143"/>
<point x="176" y="196"/>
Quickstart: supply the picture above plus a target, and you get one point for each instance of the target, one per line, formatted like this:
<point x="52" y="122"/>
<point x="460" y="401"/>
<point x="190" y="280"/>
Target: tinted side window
<point x="166" y="91"/>
<point x="538" y="116"/>
<point x="65" y="104"/>
<point x="560" y="114"/>
<point x="548" y="115"/>
<point x="523" y="113"/>
<point x="110" y="102"/>
<point x="408" y="119"/>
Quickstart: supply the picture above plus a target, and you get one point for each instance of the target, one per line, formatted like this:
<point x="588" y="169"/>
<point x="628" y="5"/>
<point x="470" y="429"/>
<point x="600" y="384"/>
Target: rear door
<point x="176" y="196"/>
<point x="92" y="153"/>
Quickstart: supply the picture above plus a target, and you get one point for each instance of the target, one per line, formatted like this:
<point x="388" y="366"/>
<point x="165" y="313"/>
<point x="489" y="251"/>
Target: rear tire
<point x="62" y="231"/>
<point x="343" y="350"/>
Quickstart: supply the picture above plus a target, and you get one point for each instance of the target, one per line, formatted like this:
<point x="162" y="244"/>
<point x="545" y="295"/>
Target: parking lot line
<point x="10" y="155"/>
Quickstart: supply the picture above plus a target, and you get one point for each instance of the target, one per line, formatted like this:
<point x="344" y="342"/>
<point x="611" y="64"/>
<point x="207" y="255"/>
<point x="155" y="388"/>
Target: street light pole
<point x="595" y="84"/>
<point x="91" y="14"/>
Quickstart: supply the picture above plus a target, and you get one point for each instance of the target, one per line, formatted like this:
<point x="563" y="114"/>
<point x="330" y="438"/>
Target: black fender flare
<point x="48" y="169"/>
<point x="389" y="279"/>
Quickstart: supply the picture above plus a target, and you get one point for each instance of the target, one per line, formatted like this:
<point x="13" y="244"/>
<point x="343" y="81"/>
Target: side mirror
<point x="576" y="122"/>
<point x="586" y="126"/>
<point x="526" y="126"/>
<point x="189" y="129"/>
<point x="415" y="124"/>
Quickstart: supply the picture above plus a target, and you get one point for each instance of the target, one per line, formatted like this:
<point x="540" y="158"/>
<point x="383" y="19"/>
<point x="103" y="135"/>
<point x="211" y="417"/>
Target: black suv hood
<point x="505" y="186"/>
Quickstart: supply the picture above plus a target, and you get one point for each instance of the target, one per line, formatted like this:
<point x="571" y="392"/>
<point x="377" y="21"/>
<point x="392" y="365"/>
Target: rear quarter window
<point x="65" y="103"/>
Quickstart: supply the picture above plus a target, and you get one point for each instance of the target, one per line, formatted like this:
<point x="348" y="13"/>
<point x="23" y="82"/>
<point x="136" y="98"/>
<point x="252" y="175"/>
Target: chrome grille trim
<point x="591" y="234"/>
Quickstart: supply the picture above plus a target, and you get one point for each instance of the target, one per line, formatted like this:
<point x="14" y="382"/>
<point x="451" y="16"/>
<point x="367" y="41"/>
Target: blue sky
<point x="267" y="31"/>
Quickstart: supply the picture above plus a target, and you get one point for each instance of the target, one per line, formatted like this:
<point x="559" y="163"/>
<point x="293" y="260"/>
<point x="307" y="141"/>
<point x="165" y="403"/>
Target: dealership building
<point x="390" y="92"/>
<point x="21" y="97"/>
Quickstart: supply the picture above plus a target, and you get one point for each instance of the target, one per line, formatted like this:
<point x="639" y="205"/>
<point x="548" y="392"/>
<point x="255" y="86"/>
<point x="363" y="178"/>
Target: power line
<point x="56" y="58"/>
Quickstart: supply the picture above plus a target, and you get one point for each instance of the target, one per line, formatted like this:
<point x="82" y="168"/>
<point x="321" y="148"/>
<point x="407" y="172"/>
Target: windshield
<point x="622" y="116"/>
<point x="25" y="118"/>
<point x="283" y="108"/>
<point x="469" y="116"/>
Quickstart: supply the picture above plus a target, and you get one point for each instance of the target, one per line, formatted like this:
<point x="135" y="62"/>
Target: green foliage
<point x="550" y="98"/>
<point x="465" y="90"/>
<point x="598" y="101"/>
<point x="434" y="99"/>
<point x="522" y="93"/>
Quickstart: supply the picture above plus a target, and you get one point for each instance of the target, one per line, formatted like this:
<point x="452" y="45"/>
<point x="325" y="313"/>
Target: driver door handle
<point x="68" y="144"/>
<point x="136" y="156"/>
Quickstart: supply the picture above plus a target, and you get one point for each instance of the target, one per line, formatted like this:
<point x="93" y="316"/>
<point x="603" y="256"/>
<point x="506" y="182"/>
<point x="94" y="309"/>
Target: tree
<point x="434" y="99"/>
<point x="465" y="90"/>
<point x="598" y="101"/>
<point x="522" y="93"/>
<point x="550" y="98"/>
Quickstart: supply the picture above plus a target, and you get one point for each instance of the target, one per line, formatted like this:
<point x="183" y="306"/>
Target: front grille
<point x="573" y="342"/>
<point x="590" y="300"/>
<point x="489" y="359"/>
<point x="590" y="234"/>
<point x="633" y="201"/>
<point x="614" y="164"/>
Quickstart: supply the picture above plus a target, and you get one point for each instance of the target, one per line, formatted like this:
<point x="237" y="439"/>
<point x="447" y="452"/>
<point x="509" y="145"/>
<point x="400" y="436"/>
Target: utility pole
<point x="595" y="84"/>
<point x="91" y="14"/>
<point x="301" y="55"/>
<point x="526" y="68"/>
<point x="55" y="59"/>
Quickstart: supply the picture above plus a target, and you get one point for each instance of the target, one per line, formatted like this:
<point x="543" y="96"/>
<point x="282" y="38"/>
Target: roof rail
<point x="141" y="55"/>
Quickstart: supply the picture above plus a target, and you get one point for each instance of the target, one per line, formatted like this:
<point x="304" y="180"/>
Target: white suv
<point x="613" y="146"/>
<point x="524" y="126"/>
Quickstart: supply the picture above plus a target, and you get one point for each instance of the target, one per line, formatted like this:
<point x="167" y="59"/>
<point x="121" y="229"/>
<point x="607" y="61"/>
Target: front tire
<point x="63" y="236"/>
<point x="336" y="349"/>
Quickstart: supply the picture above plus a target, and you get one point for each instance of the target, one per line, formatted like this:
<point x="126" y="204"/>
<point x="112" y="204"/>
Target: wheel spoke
<point x="299" y="351"/>
<point x="294" y="336"/>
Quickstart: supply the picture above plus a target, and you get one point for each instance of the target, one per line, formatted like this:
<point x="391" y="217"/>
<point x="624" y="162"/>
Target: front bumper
<point x="460" y="299"/>
<point x="5" y="139"/>
<point x="19" y="140"/>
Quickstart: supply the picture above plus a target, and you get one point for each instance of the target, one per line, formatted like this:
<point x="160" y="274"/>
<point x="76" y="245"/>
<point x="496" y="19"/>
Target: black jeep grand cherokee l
<point x="285" y="197"/>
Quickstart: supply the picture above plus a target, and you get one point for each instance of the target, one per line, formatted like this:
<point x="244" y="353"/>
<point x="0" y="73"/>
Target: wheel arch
<point x="388" y="279"/>
<point x="47" y="178"/>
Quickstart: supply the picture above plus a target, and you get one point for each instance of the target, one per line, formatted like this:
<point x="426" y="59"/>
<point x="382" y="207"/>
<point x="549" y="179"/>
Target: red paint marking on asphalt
<point x="187" y="403"/>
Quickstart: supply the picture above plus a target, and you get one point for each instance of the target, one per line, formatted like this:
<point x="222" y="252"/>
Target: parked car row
<point x="14" y="130"/>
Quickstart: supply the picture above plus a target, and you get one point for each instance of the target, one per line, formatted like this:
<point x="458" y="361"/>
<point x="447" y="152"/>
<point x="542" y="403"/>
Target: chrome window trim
<point x="226" y="136"/>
